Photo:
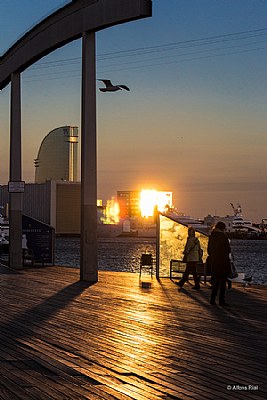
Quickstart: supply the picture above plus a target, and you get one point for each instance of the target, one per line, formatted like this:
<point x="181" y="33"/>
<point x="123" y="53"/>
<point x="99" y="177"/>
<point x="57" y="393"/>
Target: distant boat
<point x="239" y="224"/>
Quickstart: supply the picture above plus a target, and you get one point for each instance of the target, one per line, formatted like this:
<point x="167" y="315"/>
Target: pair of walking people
<point x="218" y="251"/>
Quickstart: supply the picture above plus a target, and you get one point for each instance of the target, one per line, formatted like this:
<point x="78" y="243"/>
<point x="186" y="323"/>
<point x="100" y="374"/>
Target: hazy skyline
<point x="194" y="122"/>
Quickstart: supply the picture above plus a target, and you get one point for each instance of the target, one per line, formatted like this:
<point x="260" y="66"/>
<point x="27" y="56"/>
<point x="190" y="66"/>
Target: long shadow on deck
<point x="29" y="323"/>
<point x="4" y="270"/>
<point x="241" y="331"/>
<point x="39" y="314"/>
<point x="245" y="309"/>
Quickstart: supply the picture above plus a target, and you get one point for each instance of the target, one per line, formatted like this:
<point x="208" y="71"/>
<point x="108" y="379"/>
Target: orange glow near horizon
<point x="112" y="214"/>
<point x="149" y="199"/>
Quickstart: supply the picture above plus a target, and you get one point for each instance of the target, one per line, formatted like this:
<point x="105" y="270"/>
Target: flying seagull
<point x="110" y="87"/>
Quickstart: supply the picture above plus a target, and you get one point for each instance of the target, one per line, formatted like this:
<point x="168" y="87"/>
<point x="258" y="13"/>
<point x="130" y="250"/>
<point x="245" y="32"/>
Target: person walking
<point x="219" y="250"/>
<point x="193" y="255"/>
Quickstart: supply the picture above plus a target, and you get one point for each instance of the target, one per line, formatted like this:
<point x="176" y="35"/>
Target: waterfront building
<point x="129" y="203"/>
<point x="136" y="204"/>
<point x="57" y="203"/>
<point x="57" y="156"/>
<point x="150" y="200"/>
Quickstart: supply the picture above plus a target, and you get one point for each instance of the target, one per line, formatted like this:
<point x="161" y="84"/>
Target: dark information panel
<point x="40" y="238"/>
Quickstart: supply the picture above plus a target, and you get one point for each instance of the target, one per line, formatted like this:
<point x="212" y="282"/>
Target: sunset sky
<point x="195" y="120"/>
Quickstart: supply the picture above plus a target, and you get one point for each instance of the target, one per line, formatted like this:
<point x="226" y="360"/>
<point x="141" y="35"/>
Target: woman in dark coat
<point x="219" y="250"/>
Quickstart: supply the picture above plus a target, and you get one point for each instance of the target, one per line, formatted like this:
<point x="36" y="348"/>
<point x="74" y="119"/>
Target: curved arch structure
<point x="65" y="25"/>
<point x="80" y="18"/>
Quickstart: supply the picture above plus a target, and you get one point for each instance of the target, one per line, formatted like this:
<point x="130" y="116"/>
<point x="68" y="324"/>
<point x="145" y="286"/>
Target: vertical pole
<point x="88" y="263"/>
<point x="15" y="199"/>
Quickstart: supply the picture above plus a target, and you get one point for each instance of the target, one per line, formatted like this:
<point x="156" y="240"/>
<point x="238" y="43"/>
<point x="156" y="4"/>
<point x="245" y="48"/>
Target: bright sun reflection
<point x="149" y="199"/>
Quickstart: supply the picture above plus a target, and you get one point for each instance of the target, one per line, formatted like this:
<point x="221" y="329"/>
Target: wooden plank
<point x="61" y="338"/>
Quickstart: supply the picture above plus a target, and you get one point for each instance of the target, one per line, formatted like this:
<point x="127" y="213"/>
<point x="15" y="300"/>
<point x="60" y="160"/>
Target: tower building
<point x="57" y="156"/>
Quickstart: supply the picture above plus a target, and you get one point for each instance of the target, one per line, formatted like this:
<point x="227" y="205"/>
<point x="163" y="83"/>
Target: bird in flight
<point x="110" y="87"/>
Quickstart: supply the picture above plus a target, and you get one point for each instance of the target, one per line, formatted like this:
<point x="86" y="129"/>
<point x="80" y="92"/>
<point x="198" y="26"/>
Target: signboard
<point x="40" y="238"/>
<point x="16" y="186"/>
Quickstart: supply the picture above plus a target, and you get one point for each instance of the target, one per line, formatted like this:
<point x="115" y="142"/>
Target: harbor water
<point x="123" y="254"/>
<point x="114" y="254"/>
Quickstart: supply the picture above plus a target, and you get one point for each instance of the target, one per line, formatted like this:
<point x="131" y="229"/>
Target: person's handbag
<point x="233" y="273"/>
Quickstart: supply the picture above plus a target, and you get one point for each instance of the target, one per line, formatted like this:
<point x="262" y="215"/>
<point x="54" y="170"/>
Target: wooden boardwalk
<point x="63" y="339"/>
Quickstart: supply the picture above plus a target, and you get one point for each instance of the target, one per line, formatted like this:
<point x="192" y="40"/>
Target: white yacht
<point x="239" y="223"/>
<point x="187" y="220"/>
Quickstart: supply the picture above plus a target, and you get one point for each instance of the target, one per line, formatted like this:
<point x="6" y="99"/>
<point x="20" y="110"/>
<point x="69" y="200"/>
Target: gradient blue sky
<point x="194" y="122"/>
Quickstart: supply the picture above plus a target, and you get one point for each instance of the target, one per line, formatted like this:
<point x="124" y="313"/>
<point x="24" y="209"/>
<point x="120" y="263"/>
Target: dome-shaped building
<point x="57" y="156"/>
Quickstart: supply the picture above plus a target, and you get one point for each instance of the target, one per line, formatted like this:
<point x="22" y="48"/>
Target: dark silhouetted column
<point x="15" y="199"/>
<point x="88" y="263"/>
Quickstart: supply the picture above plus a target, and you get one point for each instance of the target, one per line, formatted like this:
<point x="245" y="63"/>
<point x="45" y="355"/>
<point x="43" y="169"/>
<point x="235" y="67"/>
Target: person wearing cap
<point x="219" y="250"/>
